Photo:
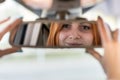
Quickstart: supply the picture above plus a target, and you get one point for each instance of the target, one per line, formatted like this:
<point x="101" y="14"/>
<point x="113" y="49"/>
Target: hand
<point x="111" y="44"/>
<point x="1" y="22"/>
<point x="5" y="20"/>
<point x="9" y="28"/>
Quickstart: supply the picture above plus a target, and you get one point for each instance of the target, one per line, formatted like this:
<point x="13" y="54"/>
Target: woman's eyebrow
<point x="87" y="23"/>
<point x="69" y="22"/>
<point x="66" y="23"/>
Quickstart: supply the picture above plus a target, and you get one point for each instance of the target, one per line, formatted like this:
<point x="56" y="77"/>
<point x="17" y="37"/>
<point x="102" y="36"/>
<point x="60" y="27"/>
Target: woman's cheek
<point x="90" y="38"/>
<point x="62" y="37"/>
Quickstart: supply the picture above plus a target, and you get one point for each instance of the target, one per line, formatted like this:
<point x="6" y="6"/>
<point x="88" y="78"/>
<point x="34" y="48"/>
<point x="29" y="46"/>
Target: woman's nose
<point x="74" y="35"/>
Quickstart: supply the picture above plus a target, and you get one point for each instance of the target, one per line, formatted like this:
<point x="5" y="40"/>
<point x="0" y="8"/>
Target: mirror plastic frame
<point x="14" y="31"/>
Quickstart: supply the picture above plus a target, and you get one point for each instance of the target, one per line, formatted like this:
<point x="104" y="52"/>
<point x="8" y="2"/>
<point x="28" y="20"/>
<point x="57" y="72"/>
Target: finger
<point x="94" y="54"/>
<point x="5" y="20"/>
<point x="118" y="35"/>
<point x="8" y="51"/>
<point x="115" y="34"/>
<point x="104" y="31"/>
<point x="11" y="26"/>
<point x="97" y="56"/>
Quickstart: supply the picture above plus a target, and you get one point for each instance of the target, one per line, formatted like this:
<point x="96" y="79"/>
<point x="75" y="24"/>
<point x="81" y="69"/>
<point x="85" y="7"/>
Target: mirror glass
<point x="75" y="33"/>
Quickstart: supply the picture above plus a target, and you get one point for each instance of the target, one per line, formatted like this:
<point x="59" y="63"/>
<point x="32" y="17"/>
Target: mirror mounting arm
<point x="62" y="14"/>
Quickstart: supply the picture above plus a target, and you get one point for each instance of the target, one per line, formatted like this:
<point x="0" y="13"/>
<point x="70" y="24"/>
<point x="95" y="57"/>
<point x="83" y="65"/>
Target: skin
<point x="7" y="29"/>
<point x="46" y="4"/>
<point x="40" y="4"/>
<point x="87" y="2"/>
<point x="111" y="44"/>
<point x="76" y="35"/>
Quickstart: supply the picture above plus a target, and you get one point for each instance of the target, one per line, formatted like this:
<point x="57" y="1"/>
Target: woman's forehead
<point x="78" y="22"/>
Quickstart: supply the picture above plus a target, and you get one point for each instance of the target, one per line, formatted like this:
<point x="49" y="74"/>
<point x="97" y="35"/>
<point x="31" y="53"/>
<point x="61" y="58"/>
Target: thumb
<point x="95" y="54"/>
<point x="1" y="22"/>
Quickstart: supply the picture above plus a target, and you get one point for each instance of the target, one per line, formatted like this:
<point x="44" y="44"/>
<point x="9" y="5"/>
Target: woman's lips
<point x="74" y="44"/>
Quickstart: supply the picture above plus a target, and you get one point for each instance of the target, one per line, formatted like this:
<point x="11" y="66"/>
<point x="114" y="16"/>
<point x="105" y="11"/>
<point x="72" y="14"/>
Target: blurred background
<point x="52" y="64"/>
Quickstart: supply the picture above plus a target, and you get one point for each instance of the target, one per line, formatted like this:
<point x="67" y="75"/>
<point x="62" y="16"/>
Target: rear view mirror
<point x="56" y="34"/>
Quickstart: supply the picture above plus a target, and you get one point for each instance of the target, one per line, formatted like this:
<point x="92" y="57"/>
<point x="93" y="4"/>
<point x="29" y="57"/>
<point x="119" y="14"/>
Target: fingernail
<point x="99" y="17"/>
<point x="17" y="17"/>
<point x="21" y="18"/>
<point x="20" y="50"/>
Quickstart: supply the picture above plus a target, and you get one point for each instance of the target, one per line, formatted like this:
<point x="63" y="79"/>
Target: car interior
<point x="35" y="60"/>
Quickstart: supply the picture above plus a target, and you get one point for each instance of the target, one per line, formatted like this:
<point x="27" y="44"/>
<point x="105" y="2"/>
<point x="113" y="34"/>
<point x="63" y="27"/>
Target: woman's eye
<point x="66" y="26"/>
<point x="86" y="27"/>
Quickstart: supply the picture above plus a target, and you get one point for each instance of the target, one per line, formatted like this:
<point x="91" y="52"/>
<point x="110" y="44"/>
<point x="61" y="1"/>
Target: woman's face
<point x="76" y="35"/>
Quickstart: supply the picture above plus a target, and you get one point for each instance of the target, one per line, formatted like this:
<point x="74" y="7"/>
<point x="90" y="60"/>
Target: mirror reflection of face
<point x="76" y="35"/>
